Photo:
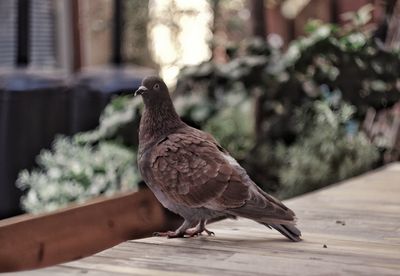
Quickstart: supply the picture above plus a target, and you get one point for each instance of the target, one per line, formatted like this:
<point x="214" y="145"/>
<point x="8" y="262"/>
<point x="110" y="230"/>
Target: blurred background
<point x="303" y="93"/>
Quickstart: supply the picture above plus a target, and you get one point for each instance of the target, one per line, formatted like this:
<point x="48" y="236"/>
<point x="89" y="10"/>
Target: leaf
<point x="378" y="85"/>
<point x="312" y="25"/>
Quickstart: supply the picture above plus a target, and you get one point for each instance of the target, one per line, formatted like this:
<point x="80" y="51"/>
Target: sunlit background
<point x="188" y="44"/>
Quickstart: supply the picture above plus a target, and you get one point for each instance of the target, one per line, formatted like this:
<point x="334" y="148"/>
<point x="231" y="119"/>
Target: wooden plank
<point x="349" y="228"/>
<point x="29" y="242"/>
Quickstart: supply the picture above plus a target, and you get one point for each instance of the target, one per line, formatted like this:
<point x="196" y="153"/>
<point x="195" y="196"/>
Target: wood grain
<point x="28" y="242"/>
<point x="358" y="221"/>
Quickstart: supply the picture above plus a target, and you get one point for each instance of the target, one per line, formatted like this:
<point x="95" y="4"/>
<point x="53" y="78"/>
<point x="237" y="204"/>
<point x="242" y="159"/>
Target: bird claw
<point x="168" y="234"/>
<point x="183" y="232"/>
<point x="210" y="233"/>
<point x="198" y="232"/>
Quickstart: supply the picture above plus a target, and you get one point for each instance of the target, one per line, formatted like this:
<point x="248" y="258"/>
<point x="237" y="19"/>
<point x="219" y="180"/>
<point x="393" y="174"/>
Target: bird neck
<point x="159" y="119"/>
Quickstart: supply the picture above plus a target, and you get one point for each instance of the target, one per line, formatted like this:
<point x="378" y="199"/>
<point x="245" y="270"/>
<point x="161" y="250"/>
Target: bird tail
<point x="289" y="231"/>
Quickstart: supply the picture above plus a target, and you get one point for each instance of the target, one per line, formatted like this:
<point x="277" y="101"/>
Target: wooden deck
<point x="350" y="228"/>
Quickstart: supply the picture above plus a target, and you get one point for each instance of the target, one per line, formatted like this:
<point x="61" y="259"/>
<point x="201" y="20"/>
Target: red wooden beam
<point x="29" y="242"/>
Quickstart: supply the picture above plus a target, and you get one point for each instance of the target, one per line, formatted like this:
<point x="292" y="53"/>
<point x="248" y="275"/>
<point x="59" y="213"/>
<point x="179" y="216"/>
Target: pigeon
<point x="192" y="175"/>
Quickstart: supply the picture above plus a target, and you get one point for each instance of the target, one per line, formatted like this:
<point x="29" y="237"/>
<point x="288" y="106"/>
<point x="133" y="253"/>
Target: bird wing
<point x="192" y="169"/>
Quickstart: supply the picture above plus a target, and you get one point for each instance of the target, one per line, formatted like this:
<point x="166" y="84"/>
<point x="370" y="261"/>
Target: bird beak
<point x="140" y="90"/>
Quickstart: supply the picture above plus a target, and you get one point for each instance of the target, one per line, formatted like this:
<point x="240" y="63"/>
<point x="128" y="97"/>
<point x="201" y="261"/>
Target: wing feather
<point x="191" y="169"/>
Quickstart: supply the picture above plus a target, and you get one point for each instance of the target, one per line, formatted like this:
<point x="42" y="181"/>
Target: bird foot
<point x="196" y="232"/>
<point x="169" y="234"/>
<point x="210" y="233"/>
<point x="190" y="233"/>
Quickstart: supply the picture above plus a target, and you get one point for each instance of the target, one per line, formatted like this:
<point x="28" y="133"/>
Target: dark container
<point x="34" y="108"/>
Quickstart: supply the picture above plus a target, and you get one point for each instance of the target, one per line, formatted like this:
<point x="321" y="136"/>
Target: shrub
<point x="72" y="172"/>
<point x="86" y="165"/>
<point x="328" y="150"/>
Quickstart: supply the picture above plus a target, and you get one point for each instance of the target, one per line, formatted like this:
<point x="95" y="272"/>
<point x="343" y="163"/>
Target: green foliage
<point x="246" y="66"/>
<point x="319" y="143"/>
<point x="233" y="125"/>
<point x="361" y="17"/>
<point x="325" y="152"/>
<point x="195" y="108"/>
<point x="337" y="57"/>
<point x="73" y="172"/>
<point x="227" y="115"/>
<point x="86" y="165"/>
<point x="120" y="112"/>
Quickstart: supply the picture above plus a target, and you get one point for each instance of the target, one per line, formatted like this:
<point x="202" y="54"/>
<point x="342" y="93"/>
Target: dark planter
<point x="34" y="107"/>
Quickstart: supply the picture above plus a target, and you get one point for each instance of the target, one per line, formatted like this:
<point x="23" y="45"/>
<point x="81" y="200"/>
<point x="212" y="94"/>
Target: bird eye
<point x="156" y="86"/>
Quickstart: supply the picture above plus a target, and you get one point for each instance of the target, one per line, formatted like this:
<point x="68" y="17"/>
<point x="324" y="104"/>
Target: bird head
<point x="152" y="87"/>
<point x="159" y="109"/>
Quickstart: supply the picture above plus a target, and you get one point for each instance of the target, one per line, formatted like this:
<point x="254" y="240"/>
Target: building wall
<point x="96" y="31"/>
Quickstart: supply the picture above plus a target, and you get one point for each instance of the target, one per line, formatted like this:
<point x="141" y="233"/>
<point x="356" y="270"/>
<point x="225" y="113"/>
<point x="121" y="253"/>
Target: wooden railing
<point x="28" y="241"/>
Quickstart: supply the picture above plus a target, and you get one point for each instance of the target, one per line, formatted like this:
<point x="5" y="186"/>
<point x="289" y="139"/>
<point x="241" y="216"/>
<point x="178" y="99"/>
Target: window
<point x="8" y="22"/>
<point x="42" y="45"/>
